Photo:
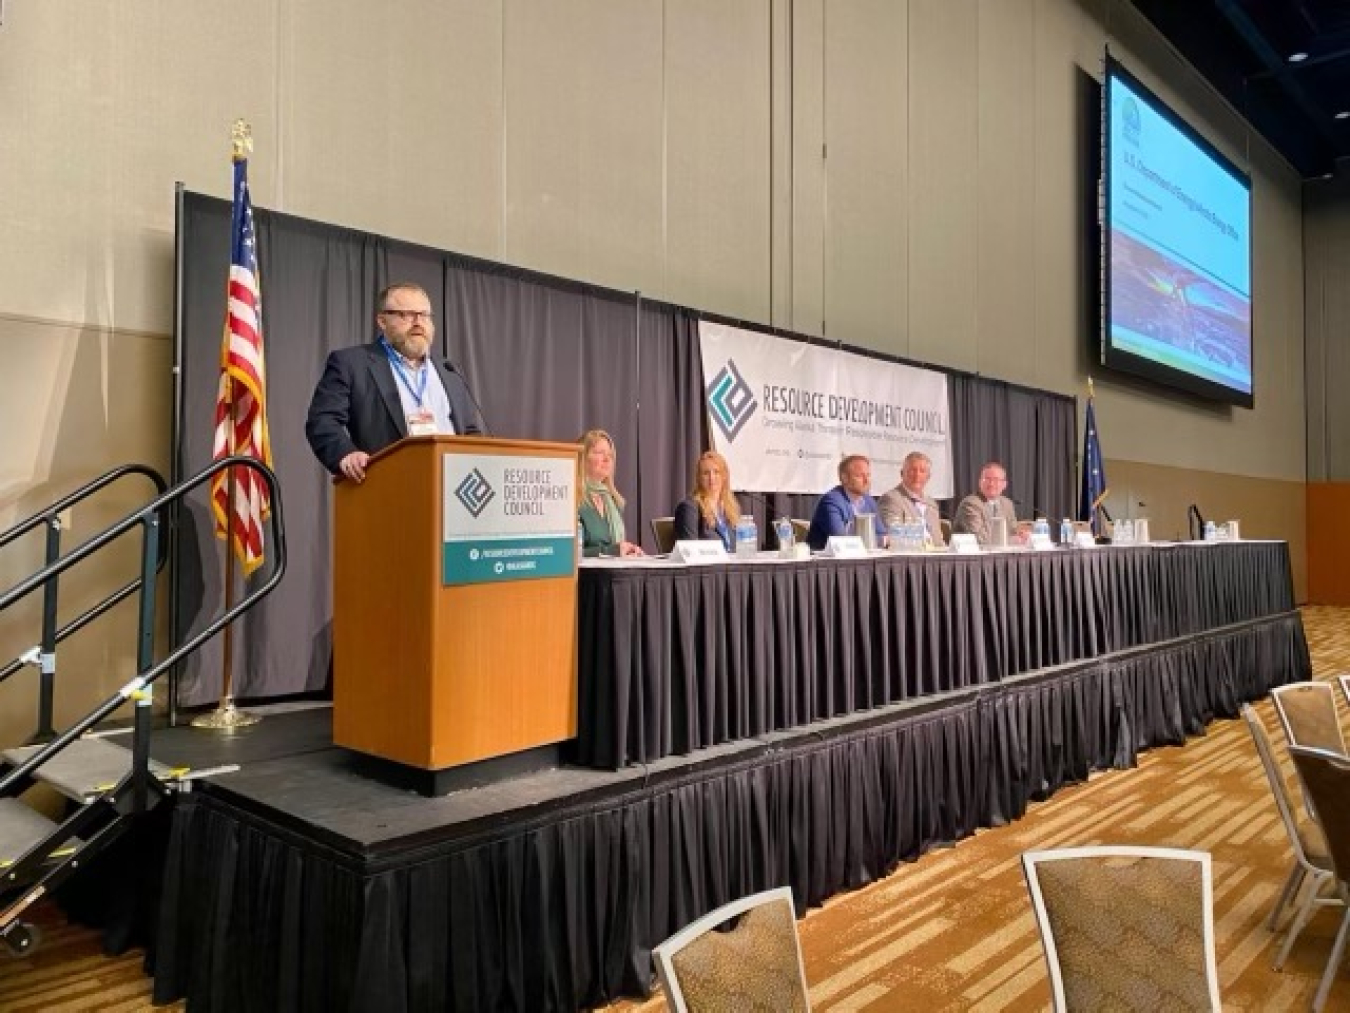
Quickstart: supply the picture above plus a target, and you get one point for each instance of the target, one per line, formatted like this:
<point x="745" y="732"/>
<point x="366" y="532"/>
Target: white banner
<point x="783" y="413"/>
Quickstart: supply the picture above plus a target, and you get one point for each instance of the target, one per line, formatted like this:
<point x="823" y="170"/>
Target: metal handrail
<point x="83" y="492"/>
<point x="49" y="516"/>
<point x="147" y="518"/>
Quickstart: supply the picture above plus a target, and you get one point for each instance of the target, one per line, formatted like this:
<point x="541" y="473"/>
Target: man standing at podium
<point x="376" y="394"/>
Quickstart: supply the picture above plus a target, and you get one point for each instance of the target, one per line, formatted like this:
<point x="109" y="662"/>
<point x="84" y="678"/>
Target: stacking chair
<point x="1326" y="778"/>
<point x="1126" y="928"/>
<point x="800" y="529"/>
<point x="1311" y="858"/>
<point x="1307" y="713"/>
<point x="1344" y="681"/>
<point x="755" y="966"/>
<point x="663" y="530"/>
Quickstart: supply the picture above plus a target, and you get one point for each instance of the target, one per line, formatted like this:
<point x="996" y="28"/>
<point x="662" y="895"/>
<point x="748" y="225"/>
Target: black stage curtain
<point x="673" y="659"/>
<point x="548" y="358"/>
<point x="563" y="915"/>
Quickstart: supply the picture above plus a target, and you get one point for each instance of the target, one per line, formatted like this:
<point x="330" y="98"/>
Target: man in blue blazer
<point x="837" y="508"/>
<point x="373" y="395"/>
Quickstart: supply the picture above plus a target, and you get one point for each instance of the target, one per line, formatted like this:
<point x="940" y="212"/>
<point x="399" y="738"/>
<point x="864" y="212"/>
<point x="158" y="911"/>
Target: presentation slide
<point x="1179" y="245"/>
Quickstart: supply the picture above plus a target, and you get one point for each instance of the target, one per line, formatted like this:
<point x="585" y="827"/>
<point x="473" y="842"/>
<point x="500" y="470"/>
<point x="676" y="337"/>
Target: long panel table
<point x="674" y="658"/>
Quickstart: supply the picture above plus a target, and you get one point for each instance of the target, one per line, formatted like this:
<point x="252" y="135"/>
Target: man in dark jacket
<point x="373" y="395"/>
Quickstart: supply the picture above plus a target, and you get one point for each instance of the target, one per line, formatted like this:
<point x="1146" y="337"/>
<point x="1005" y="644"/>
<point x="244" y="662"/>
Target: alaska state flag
<point x="1094" y="473"/>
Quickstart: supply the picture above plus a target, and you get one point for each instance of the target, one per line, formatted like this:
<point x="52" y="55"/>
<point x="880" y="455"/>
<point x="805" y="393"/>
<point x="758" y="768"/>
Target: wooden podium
<point x="454" y="628"/>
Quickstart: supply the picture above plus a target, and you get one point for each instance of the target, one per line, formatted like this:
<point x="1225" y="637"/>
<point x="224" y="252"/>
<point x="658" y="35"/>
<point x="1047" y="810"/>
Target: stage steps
<point x="85" y="769"/>
<point x="37" y="853"/>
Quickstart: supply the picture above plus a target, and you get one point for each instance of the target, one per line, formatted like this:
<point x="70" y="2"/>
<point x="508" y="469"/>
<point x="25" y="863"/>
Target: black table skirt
<point x="673" y="659"/>
<point x="562" y="913"/>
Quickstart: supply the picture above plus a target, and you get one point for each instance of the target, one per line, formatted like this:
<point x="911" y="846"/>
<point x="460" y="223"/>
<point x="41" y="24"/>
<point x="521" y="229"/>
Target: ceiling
<point x="1243" y="47"/>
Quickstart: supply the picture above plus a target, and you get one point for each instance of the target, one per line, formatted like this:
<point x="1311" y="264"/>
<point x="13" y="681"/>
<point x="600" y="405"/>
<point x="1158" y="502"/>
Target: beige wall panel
<point x="717" y="156"/>
<point x="867" y="173"/>
<point x="943" y="180"/>
<point x="104" y="107"/>
<point x="1054" y="351"/>
<point x="1267" y="508"/>
<point x="393" y="124"/>
<point x="583" y="140"/>
<point x="90" y="399"/>
<point x="808" y="167"/>
<point x="1006" y="159"/>
<point x="780" y="163"/>
<point x="1327" y="242"/>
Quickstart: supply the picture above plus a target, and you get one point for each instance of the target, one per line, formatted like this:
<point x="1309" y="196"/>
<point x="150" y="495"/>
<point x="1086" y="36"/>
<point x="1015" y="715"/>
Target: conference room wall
<point x="906" y="176"/>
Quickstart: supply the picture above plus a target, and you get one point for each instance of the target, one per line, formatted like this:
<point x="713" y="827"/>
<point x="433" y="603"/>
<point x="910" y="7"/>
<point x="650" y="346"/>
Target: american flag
<point x="1094" y="472"/>
<point x="241" y="404"/>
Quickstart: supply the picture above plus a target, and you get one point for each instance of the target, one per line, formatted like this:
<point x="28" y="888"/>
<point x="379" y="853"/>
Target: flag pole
<point x="227" y="717"/>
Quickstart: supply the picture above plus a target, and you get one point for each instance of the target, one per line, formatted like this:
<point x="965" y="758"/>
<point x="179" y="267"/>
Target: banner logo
<point x="1134" y="123"/>
<point x="730" y="400"/>
<point x="475" y="492"/>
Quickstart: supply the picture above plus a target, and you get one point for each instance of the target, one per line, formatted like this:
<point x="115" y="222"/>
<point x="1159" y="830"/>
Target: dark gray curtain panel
<point x="547" y="358"/>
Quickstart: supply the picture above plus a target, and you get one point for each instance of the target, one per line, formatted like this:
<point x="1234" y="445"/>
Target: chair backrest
<point x="946" y="527"/>
<point x="1307" y="713"/>
<point x="663" y="531"/>
<point x="1344" y="681"/>
<point x="800" y="528"/>
<point x="1127" y="928"/>
<point x="1326" y="779"/>
<point x="1280" y="789"/>
<point x="755" y="965"/>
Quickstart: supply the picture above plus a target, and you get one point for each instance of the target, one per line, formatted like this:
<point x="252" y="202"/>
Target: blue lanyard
<point x="401" y="371"/>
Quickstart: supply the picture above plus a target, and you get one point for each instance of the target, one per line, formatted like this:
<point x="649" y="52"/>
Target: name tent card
<point x="845" y="547"/>
<point x="694" y="551"/>
<point x="965" y="543"/>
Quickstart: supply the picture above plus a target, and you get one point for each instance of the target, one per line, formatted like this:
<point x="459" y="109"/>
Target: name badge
<point x="421" y="423"/>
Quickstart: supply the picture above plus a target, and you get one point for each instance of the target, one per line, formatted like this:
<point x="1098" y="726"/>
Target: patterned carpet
<point x="953" y="931"/>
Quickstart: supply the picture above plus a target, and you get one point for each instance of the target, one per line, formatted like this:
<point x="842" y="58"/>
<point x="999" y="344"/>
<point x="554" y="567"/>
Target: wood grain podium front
<point x="454" y="620"/>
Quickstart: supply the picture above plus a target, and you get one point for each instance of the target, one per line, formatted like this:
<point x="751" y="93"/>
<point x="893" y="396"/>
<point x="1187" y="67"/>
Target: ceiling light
<point x="1344" y="114"/>
<point x="1297" y="57"/>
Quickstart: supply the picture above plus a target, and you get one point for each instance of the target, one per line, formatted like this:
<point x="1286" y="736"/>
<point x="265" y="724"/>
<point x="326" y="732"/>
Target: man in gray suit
<point x="976" y="513"/>
<point x="908" y="501"/>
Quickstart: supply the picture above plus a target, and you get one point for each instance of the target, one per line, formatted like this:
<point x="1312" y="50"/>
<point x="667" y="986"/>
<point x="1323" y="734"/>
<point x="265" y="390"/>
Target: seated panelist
<point x="710" y="512"/>
<point x="836" y="509"/>
<point x="978" y="511"/>
<point x="601" y="512"/>
<point x="909" y="501"/>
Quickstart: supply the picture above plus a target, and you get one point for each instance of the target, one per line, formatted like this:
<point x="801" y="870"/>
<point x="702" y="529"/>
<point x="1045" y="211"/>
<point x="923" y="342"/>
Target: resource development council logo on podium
<point x="506" y="518"/>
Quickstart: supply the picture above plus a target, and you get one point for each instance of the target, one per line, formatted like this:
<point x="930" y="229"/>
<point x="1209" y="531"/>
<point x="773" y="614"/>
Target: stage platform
<point x="300" y="882"/>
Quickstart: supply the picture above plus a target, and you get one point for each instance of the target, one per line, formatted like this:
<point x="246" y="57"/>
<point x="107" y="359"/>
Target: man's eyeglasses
<point x="411" y="316"/>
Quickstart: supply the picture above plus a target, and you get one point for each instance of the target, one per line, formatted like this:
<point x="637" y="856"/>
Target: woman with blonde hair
<point x="601" y="512"/>
<point x="710" y="511"/>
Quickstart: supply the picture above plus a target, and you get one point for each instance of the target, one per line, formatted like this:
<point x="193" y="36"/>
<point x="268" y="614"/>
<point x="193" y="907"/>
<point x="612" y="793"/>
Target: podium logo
<point x="475" y="492"/>
<point x="731" y="402"/>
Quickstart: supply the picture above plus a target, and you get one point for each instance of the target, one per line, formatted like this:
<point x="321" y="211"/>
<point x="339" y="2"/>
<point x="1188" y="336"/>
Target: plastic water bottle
<point x="1211" y="532"/>
<point x="1124" y="532"/>
<point x="1042" y="527"/>
<point x="746" y="536"/>
<point x="581" y="543"/>
<point x="1066" y="533"/>
<point x="897" y="536"/>
<point x="787" y="538"/>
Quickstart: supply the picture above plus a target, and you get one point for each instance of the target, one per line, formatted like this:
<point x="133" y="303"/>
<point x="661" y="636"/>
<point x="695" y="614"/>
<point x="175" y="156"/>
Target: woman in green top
<point x="601" y="511"/>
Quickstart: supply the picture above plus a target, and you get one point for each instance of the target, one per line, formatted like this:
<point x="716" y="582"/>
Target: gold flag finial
<point x="241" y="140"/>
<point x="1091" y="391"/>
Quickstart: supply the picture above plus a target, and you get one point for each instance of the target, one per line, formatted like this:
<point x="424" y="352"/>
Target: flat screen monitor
<point x="1176" y="249"/>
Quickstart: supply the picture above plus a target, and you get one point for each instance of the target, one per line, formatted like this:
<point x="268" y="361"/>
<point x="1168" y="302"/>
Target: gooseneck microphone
<point x="468" y="389"/>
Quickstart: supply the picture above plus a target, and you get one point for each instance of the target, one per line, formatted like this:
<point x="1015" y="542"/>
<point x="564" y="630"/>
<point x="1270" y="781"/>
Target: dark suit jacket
<point x="356" y="405"/>
<point x="690" y="526"/>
